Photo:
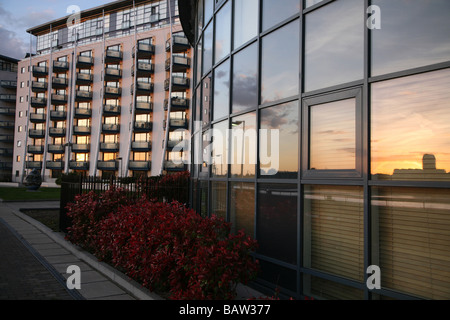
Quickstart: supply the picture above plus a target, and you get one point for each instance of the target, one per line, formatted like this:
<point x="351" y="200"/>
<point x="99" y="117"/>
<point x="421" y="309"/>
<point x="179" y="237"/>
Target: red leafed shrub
<point x="170" y="248"/>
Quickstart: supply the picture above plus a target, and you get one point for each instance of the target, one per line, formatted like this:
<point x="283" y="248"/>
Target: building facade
<point x="8" y="87"/>
<point x="357" y="92"/>
<point x="97" y="95"/>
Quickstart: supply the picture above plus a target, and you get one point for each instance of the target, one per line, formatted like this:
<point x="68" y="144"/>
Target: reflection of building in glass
<point x="428" y="171"/>
<point x="353" y="115"/>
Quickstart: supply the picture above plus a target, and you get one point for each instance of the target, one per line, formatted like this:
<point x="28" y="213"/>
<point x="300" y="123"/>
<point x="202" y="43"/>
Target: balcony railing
<point x="81" y="113"/>
<point x="85" y="62"/>
<point x="8" y="97"/>
<point x="79" y="165"/>
<point x="143" y="126"/>
<point x="81" y="131"/>
<point x="34" y="164"/>
<point x="54" y="165"/>
<point x="81" y="148"/>
<point x="178" y="123"/>
<point x="7" y="124"/>
<point x="113" y="56"/>
<point x="60" y="83"/>
<point x="108" y="165"/>
<point x="174" y="166"/>
<point x="144" y="69"/>
<point x="109" y="147"/>
<point x="57" y="132"/>
<point x="180" y="64"/>
<point x="83" y="96"/>
<point x="35" y="149"/>
<point x="39" y="71"/>
<point x="177" y="104"/>
<point x="179" y="144"/>
<point x="139" y="165"/>
<point x="110" y="128"/>
<point x="7" y="111"/>
<point x="6" y="138"/>
<point x="60" y="66"/>
<point x="59" y="98"/>
<point x="39" y="86"/>
<point x="143" y="88"/>
<point x="145" y="50"/>
<point x="179" y="84"/>
<point x="58" y="115"/>
<point x="110" y="110"/>
<point x="56" y="148"/>
<point x="38" y="102"/>
<point x="112" y="92"/>
<point x="6" y="152"/>
<point x="144" y="107"/>
<point x="37" y="117"/>
<point x="141" y="146"/>
<point x="84" y="78"/>
<point x="112" y="74"/>
<point x="36" y="134"/>
<point x="179" y="44"/>
<point x="8" y="84"/>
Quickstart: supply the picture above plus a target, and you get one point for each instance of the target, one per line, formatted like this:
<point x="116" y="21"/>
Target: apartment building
<point x="8" y="86"/>
<point x="107" y="93"/>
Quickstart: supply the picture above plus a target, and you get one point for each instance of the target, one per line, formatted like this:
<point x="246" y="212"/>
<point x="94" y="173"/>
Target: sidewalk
<point x="34" y="261"/>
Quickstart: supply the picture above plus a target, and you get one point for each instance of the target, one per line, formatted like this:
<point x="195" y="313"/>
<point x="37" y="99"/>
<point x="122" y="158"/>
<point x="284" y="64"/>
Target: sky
<point x="16" y="16"/>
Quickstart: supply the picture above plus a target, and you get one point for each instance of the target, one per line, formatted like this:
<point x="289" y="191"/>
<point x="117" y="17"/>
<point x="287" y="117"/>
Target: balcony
<point x="60" y="66"/>
<point x="110" y="110"/>
<point x="144" y="107"/>
<point x="113" y="74"/>
<point x="110" y="128"/>
<point x="37" y="117"/>
<point x="57" y="132"/>
<point x="179" y="44"/>
<point x="60" y="83"/>
<point x="113" y="56"/>
<point x="141" y="146"/>
<point x="81" y="113"/>
<point x="54" y="165"/>
<point x="178" y="123"/>
<point x="6" y="138"/>
<point x="108" y="165"/>
<point x="144" y="88"/>
<point x="58" y="115"/>
<point x="36" y="134"/>
<point x="6" y="152"/>
<point x="59" y="99"/>
<point x="84" y="62"/>
<point x="179" y="84"/>
<point x="180" y="64"/>
<point x="109" y="147"/>
<point x="143" y="126"/>
<point x="38" y="102"/>
<point x="35" y="149"/>
<point x="7" y="125"/>
<point x="8" y="98"/>
<point x="140" y="165"/>
<point x="6" y="166"/>
<point x="40" y="71"/>
<point x="79" y="165"/>
<point x="144" y="69"/>
<point x="177" y="104"/>
<point x="7" y="112"/>
<point x="83" y="96"/>
<point x="8" y="84"/>
<point x="172" y="166"/>
<point x="34" y="165"/>
<point x="56" y="148"/>
<point x="179" y="144"/>
<point x="145" y="51"/>
<point x="39" y="86"/>
<point x="81" y="148"/>
<point x="112" y="93"/>
<point x="84" y="79"/>
<point x="81" y="131"/>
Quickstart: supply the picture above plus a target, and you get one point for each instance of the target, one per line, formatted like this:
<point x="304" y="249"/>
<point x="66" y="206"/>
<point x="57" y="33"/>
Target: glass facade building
<point x="356" y="94"/>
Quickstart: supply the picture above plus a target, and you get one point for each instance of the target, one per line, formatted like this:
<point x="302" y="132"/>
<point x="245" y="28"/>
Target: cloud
<point x="12" y="46"/>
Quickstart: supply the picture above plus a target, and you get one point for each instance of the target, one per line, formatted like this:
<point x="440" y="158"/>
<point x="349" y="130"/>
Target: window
<point x="278" y="149"/>
<point x="410" y="128"/>
<point x="274" y="13"/>
<point x="412" y="34"/>
<point x="334" y="41"/>
<point x="332" y="138"/>
<point x="242" y="207"/>
<point x="243" y="146"/>
<point x="223" y="32"/>
<point x="245" y="21"/>
<point x="219" y="199"/>
<point x="222" y="90"/>
<point x="220" y="149"/>
<point x="245" y="83"/>
<point x="207" y="48"/>
<point x="279" y="71"/>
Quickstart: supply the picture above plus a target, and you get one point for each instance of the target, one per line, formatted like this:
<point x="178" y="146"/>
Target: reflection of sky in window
<point x="245" y="85"/>
<point x="334" y="44"/>
<point x="413" y="33"/>
<point x="274" y="12"/>
<point x="208" y="48"/>
<point x="223" y="32"/>
<point x="279" y="72"/>
<point x="222" y="90"/>
<point x="333" y="136"/>
<point x="410" y="118"/>
<point x="285" y="119"/>
<point x="245" y="21"/>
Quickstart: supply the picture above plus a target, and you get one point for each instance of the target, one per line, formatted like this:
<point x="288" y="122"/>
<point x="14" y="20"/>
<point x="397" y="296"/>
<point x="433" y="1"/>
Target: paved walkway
<point x="34" y="262"/>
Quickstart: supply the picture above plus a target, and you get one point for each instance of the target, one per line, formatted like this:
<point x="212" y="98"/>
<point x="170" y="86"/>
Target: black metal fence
<point x="166" y="188"/>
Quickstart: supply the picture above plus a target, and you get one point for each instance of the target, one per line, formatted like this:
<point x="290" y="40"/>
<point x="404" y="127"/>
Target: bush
<point x="165" y="246"/>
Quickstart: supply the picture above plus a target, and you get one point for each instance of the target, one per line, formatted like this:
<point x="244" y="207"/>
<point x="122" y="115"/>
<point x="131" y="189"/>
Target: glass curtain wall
<point x="324" y="134"/>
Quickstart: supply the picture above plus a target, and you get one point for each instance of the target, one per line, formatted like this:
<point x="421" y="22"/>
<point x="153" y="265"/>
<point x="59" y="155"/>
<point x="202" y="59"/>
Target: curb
<point x="114" y="275"/>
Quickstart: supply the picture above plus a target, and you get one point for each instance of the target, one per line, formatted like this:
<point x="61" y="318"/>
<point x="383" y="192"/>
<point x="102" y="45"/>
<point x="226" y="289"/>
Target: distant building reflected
<point x="428" y="171"/>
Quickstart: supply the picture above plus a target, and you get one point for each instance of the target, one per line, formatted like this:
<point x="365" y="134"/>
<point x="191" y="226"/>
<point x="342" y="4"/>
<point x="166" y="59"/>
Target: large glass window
<point x="220" y="149"/>
<point x="274" y="13"/>
<point x="219" y="199"/>
<point x="334" y="43"/>
<point x="243" y="146"/>
<point x="280" y="68"/>
<point x="207" y="48"/>
<point x="245" y="21"/>
<point x="411" y="237"/>
<point x="242" y="207"/>
<point x="333" y="230"/>
<point x="279" y="152"/>
<point x="411" y="127"/>
<point x="412" y="34"/>
<point x="223" y="32"/>
<point x="277" y="221"/>
<point x="245" y="79"/>
<point x="222" y="90"/>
